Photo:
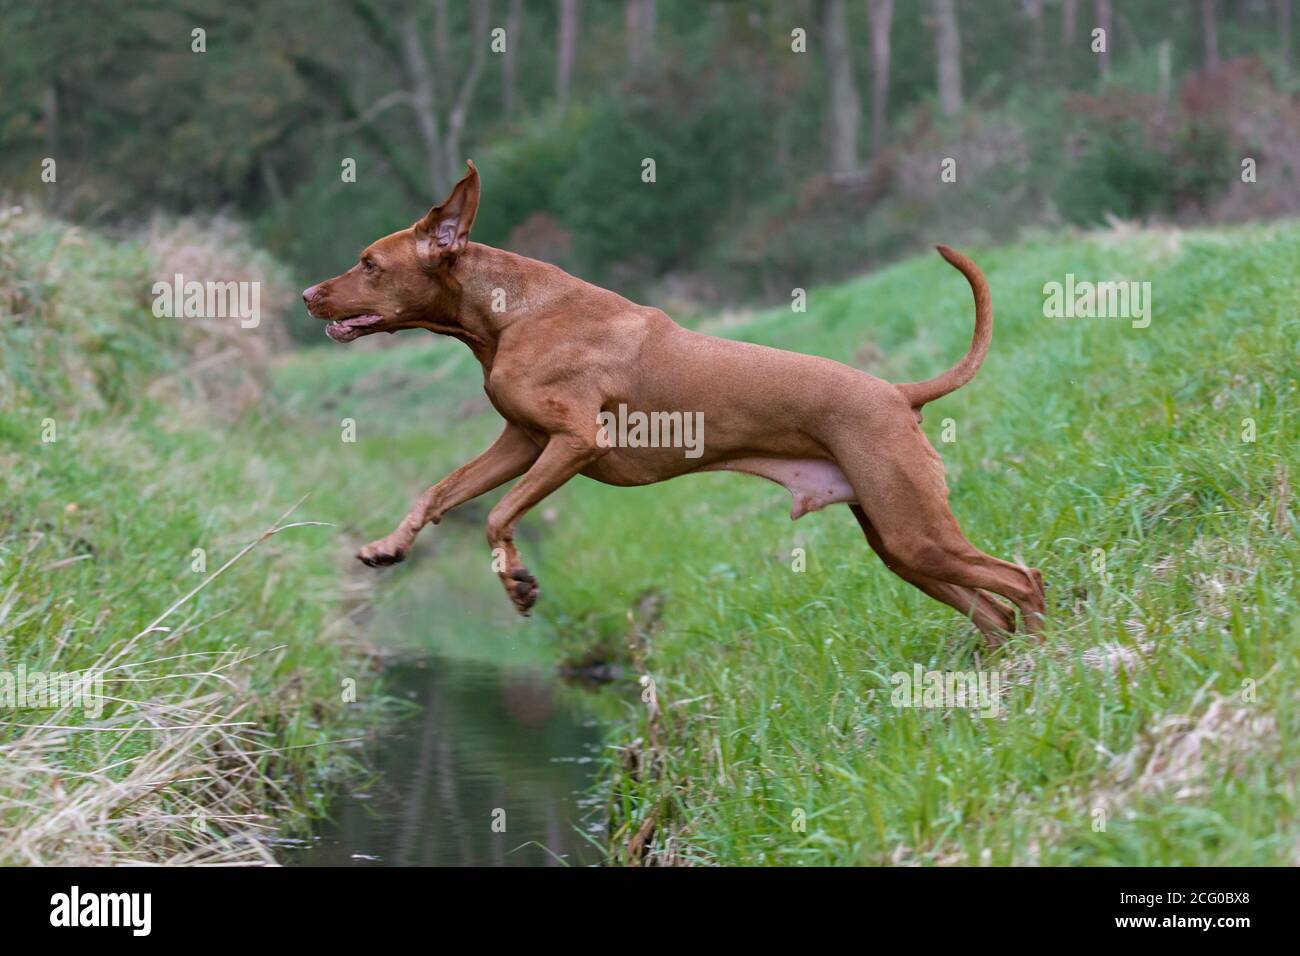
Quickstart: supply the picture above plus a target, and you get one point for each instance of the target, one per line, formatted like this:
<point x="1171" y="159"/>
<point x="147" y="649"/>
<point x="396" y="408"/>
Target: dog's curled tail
<point x="919" y="393"/>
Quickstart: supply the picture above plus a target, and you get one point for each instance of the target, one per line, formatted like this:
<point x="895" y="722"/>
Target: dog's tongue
<point x="338" y="332"/>
<point x="345" y="330"/>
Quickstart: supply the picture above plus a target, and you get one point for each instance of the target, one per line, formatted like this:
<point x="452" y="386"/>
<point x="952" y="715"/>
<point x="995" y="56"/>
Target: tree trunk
<point x="1069" y="17"/>
<point x="843" y="105"/>
<point x="442" y="150"/>
<point x="640" y="21"/>
<point x="568" y="45"/>
<point x="460" y="110"/>
<point x="510" y="68"/>
<point x="361" y="110"/>
<point x="1211" y="30"/>
<point x="441" y="38"/>
<point x="1284" y="29"/>
<point x="880" y="15"/>
<point x="1165" y="71"/>
<point x="947" y="56"/>
<point x="424" y="103"/>
<point x="1103" y="21"/>
<point x="1034" y="10"/>
<point x="271" y="180"/>
<point x="632" y="31"/>
<point x="50" y="128"/>
<point x="650" y="26"/>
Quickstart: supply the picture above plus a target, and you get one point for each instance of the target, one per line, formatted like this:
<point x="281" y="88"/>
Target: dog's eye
<point x="369" y="266"/>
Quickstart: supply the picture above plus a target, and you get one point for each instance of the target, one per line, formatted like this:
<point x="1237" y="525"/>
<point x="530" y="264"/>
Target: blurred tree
<point x="947" y="56"/>
<point x="1069" y="18"/>
<point x="567" y="46"/>
<point x="843" y="106"/>
<point x="642" y="25"/>
<point x="1034" y="11"/>
<point x="509" y="69"/>
<point x="50" y="127"/>
<point x="880" y="14"/>
<point x="1103" y="23"/>
<point x="1284" y="29"/>
<point x="744" y="132"/>
<point x="443" y="149"/>
<point x="426" y="87"/>
<point x="1210" y="31"/>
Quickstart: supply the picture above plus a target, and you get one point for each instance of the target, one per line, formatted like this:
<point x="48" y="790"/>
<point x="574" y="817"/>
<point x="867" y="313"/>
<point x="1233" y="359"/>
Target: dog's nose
<point x="310" y="293"/>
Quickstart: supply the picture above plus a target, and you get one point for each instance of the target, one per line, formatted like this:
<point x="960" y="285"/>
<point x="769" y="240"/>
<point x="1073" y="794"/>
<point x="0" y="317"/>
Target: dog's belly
<point x="813" y="483"/>
<point x="629" y="467"/>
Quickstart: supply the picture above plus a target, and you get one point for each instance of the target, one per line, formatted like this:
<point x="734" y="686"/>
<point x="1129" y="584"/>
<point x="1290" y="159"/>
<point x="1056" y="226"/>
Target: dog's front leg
<point x="565" y="455"/>
<point x="509" y="456"/>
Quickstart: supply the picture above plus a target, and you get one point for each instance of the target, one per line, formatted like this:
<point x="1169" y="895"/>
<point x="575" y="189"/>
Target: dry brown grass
<point x="77" y="311"/>
<point x="228" y="367"/>
<point x="184" y="781"/>
<point x="190" y="757"/>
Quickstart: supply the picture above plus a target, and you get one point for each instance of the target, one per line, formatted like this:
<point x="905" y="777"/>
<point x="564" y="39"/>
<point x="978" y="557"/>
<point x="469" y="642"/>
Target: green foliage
<point x="1123" y="173"/>
<point x="76" y="317"/>
<point x="1120" y="175"/>
<point x="736" y="122"/>
<point x="97" y="531"/>
<point x="704" y="138"/>
<point x="525" y="172"/>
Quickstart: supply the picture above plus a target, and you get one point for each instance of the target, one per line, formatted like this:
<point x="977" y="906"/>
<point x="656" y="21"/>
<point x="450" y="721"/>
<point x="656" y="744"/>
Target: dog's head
<point x="402" y="281"/>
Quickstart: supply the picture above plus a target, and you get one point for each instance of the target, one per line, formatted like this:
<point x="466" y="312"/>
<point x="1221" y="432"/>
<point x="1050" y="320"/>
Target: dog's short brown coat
<point x="556" y="352"/>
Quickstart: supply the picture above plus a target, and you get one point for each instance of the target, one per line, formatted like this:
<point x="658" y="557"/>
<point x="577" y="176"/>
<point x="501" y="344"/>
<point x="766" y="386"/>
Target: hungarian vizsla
<point x="563" y="359"/>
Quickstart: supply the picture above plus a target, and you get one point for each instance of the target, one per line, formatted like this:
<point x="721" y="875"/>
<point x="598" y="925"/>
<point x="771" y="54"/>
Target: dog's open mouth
<point x="345" y="330"/>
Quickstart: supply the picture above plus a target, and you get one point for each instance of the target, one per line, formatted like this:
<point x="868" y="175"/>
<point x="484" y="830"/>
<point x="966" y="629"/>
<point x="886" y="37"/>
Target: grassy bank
<point x="1156" y="721"/>
<point x="140" y="456"/>
<point x="1153" y="724"/>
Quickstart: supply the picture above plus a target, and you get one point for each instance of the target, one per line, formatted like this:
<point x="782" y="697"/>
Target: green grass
<point x="222" y="722"/>
<point x="1077" y="435"/>
<point x="774" y="685"/>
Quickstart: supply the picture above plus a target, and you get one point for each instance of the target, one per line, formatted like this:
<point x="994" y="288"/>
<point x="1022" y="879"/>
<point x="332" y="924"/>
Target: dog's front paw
<point x="380" y="553"/>
<point x="522" y="588"/>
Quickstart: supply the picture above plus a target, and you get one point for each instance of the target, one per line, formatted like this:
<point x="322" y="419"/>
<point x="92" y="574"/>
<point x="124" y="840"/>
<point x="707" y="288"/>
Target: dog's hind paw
<point x="379" y="553"/>
<point x="522" y="588"/>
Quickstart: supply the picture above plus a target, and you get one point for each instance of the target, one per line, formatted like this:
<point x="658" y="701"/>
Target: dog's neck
<point x="497" y="289"/>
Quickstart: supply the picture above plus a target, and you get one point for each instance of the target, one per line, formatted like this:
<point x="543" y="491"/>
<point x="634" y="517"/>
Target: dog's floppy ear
<point x="445" y="230"/>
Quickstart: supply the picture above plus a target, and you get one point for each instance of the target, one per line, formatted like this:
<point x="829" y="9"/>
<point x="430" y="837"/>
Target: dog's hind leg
<point x="900" y="486"/>
<point x="993" y="618"/>
<point x="815" y="483"/>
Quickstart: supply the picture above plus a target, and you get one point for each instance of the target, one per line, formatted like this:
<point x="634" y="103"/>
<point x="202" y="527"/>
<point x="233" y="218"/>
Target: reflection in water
<point x="494" y="732"/>
<point x="485" y="739"/>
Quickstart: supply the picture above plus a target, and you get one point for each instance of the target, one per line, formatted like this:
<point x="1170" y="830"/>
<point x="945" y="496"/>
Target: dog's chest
<point x="500" y="400"/>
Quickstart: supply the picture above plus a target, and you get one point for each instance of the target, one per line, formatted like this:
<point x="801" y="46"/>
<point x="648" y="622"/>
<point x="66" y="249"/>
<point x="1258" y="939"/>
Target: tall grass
<point x="1154" y="723"/>
<point x="124" y="553"/>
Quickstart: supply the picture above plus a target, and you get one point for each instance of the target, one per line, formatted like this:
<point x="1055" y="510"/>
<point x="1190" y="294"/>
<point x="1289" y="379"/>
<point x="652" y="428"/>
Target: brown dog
<point x="562" y="358"/>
